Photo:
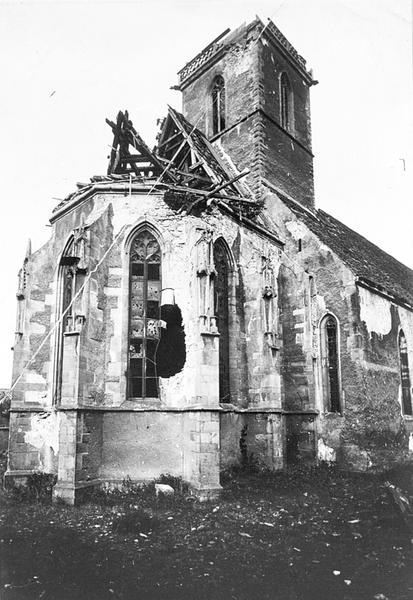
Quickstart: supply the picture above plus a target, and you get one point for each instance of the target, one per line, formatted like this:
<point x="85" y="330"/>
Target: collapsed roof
<point x="194" y="174"/>
<point x="184" y="163"/>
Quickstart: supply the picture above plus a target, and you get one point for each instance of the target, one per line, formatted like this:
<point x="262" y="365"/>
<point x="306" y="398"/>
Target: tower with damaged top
<point x="249" y="91"/>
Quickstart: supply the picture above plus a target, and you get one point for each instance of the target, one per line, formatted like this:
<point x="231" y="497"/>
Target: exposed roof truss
<point x="193" y="161"/>
<point x="139" y="160"/>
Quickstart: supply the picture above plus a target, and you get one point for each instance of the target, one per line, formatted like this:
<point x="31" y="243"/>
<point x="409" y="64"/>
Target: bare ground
<point x="298" y="535"/>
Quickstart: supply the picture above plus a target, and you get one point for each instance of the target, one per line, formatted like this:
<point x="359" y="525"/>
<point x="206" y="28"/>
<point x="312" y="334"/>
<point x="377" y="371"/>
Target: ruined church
<point x="193" y="310"/>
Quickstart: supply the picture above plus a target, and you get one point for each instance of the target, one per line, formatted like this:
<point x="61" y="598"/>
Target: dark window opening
<point x="218" y="105"/>
<point x="171" y="354"/>
<point x="144" y="314"/>
<point x="330" y="358"/>
<point x="221" y="311"/>
<point x="405" y="375"/>
<point x="300" y="245"/>
<point x="285" y="102"/>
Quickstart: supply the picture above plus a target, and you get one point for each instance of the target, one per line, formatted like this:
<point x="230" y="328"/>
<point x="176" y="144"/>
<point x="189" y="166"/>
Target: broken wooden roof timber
<point x="183" y="162"/>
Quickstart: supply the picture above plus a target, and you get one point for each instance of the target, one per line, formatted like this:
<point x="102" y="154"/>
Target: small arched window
<point x="330" y="363"/>
<point x="218" y="104"/>
<point x="286" y="102"/>
<point x="405" y="375"/>
<point x="144" y="314"/>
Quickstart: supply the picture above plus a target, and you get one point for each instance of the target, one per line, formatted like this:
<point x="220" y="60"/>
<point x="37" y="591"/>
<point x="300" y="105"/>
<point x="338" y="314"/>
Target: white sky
<point x="66" y="65"/>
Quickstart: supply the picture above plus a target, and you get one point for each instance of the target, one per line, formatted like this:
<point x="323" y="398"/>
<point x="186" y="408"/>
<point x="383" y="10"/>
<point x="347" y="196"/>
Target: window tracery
<point x="144" y="315"/>
<point x="69" y="311"/>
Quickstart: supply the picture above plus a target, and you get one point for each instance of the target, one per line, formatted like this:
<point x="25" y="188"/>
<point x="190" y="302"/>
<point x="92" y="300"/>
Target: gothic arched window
<point x="144" y="314"/>
<point x="330" y="363"/>
<point x="405" y="375"/>
<point x="286" y="102"/>
<point x="69" y="281"/>
<point x="218" y="104"/>
<point x="221" y="311"/>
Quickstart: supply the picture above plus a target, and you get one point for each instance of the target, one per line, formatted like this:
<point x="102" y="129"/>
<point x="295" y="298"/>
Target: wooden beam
<point x="115" y="143"/>
<point x="192" y="176"/>
<point x="216" y="190"/>
<point x="137" y="142"/>
<point x="132" y="164"/>
<point x="174" y="147"/>
<point x="142" y="171"/>
<point x="184" y="157"/>
<point x="227" y="183"/>
<point x="136" y="158"/>
<point x="235" y="198"/>
<point x="169" y="139"/>
<point x="207" y="193"/>
<point x="196" y="165"/>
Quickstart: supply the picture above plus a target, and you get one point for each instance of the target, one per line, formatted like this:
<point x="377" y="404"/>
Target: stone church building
<point x="193" y="310"/>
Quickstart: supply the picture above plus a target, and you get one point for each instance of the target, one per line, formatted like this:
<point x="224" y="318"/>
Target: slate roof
<point x="367" y="261"/>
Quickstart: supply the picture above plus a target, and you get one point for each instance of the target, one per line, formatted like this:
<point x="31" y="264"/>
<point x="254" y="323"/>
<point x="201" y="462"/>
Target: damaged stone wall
<point x="253" y="136"/>
<point x="30" y="446"/>
<point x="252" y="439"/>
<point x="238" y="67"/>
<point x="272" y="65"/>
<point x="179" y="431"/>
<point x="369" y="431"/>
<point x="287" y="159"/>
<point x="378" y="427"/>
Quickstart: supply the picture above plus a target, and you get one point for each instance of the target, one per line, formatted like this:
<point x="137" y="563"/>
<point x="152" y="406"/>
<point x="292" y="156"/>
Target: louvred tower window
<point x="286" y="102"/>
<point x="218" y="105"/>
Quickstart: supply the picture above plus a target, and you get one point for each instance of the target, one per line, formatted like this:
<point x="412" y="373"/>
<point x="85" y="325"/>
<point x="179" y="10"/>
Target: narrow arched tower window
<point x="144" y="315"/>
<point x="285" y="102"/>
<point x="330" y="363"/>
<point x="218" y="105"/>
<point x="221" y="311"/>
<point x="405" y="375"/>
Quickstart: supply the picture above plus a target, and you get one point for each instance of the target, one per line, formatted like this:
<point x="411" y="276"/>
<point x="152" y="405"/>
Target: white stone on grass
<point x="162" y="488"/>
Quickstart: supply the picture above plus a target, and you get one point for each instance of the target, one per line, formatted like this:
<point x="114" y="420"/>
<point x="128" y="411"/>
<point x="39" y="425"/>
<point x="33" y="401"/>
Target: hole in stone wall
<point x="300" y="245"/>
<point x="171" y="353"/>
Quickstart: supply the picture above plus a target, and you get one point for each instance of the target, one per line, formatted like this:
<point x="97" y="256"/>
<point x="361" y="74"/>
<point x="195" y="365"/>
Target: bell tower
<point x="248" y="91"/>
